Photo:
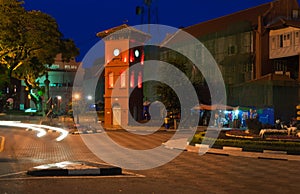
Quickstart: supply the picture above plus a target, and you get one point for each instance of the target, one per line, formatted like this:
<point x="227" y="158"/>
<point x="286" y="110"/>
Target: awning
<point x="214" y="107"/>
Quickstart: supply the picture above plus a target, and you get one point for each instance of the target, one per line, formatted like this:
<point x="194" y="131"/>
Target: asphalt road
<point x="187" y="173"/>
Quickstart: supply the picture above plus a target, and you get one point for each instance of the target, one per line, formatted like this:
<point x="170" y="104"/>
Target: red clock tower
<point x="123" y="94"/>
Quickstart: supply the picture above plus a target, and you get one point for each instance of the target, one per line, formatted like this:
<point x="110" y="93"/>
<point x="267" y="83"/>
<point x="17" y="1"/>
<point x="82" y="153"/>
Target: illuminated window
<point x="123" y="79"/>
<point x="142" y="58"/>
<point x="132" y="79"/>
<point x="140" y="80"/>
<point x="111" y="80"/>
<point x="131" y="56"/>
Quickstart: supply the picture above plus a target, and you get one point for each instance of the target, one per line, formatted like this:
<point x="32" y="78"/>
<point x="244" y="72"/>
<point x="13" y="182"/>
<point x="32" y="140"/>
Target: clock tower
<point x="123" y="94"/>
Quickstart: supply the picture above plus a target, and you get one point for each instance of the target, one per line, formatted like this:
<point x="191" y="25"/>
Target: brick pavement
<point x="223" y="174"/>
<point x="68" y="122"/>
<point x="209" y="173"/>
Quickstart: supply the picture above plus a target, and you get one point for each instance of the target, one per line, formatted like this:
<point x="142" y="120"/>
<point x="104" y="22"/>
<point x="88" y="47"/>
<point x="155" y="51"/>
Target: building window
<point x="140" y="80"/>
<point x="280" y="65"/>
<point x="286" y="40"/>
<point x="295" y="13"/>
<point x="132" y="79"/>
<point x="247" y="68"/>
<point x="111" y="80"/>
<point x="54" y="66"/>
<point x="273" y="43"/>
<point x="297" y="38"/>
<point x="123" y="79"/>
<point x="198" y="51"/>
<point x="281" y="41"/>
<point x="231" y="50"/>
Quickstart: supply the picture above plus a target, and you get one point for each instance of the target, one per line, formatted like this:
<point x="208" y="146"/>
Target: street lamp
<point x="58" y="103"/>
<point x="76" y="108"/>
<point x="89" y="97"/>
<point x="77" y="96"/>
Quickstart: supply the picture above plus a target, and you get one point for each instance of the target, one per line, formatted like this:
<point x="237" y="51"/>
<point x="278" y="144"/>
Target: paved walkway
<point x="177" y="144"/>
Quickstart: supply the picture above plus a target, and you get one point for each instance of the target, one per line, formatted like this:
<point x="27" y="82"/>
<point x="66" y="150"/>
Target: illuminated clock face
<point x="116" y="52"/>
<point x="136" y="53"/>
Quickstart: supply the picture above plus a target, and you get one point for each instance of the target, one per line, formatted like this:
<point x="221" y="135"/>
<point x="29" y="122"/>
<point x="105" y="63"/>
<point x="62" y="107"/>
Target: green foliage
<point x="30" y="38"/>
<point x="68" y="49"/>
<point x="166" y="94"/>
<point x="28" y="41"/>
<point x="257" y="145"/>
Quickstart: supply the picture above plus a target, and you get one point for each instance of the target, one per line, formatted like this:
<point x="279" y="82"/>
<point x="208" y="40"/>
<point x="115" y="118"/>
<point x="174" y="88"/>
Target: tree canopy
<point x="28" y="41"/>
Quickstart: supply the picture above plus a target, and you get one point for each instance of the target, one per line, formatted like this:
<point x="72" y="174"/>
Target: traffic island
<point x="74" y="168"/>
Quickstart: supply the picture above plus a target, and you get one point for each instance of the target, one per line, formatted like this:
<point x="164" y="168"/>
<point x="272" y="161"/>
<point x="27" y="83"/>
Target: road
<point x="187" y="173"/>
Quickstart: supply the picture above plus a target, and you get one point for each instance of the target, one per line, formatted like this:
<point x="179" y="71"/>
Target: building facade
<point x="257" y="51"/>
<point x="58" y="93"/>
<point x="123" y="91"/>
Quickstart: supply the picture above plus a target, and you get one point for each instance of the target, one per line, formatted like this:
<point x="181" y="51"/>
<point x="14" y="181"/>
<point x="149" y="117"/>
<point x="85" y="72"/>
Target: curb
<point x="235" y="151"/>
<point x="74" y="168"/>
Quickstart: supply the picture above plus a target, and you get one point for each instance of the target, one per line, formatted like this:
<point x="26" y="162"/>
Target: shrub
<point x="249" y="145"/>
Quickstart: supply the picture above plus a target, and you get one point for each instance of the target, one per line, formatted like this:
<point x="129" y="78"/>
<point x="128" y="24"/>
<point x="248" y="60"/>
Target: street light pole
<point x="58" y="103"/>
<point x="76" y="110"/>
<point x="46" y="98"/>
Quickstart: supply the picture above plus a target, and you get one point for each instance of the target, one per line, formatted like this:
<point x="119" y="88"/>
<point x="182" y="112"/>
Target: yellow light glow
<point x="77" y="96"/>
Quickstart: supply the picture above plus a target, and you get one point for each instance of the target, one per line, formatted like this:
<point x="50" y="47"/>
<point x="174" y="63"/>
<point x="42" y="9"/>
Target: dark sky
<point x="81" y="20"/>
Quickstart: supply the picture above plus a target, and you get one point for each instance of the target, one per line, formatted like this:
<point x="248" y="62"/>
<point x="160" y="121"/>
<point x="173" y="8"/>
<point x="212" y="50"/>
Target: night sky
<point x="81" y="20"/>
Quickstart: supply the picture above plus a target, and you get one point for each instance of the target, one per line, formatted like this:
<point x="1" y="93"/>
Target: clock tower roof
<point x="124" y="31"/>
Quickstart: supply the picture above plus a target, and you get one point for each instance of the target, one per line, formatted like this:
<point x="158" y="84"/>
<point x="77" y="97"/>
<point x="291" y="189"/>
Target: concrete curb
<point x="231" y="151"/>
<point x="74" y="168"/>
<point x="234" y="151"/>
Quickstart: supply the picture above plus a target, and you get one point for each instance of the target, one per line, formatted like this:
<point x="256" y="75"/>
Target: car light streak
<point x="63" y="132"/>
<point x="40" y="128"/>
<point x="41" y="132"/>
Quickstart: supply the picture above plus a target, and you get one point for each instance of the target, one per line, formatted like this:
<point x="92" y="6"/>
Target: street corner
<point x="74" y="168"/>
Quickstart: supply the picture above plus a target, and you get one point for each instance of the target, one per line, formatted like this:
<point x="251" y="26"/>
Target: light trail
<point x="39" y="128"/>
<point x="41" y="132"/>
<point x="64" y="133"/>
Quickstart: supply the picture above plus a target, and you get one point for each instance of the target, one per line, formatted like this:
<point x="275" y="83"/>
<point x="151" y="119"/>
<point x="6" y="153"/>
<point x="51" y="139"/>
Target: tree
<point x="166" y="94"/>
<point x="28" y="41"/>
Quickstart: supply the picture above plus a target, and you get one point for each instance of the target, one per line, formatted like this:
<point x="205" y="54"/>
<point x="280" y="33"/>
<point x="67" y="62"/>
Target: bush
<point x="249" y="145"/>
